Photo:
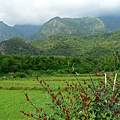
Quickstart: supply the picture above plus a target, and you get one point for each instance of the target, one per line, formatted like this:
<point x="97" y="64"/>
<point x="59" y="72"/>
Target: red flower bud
<point x="97" y="90"/>
<point x="84" y="98"/>
<point x="81" y="95"/>
<point x="68" y="97"/>
<point x="31" y="115"/>
<point x="41" y="109"/>
<point x="57" y="102"/>
<point x="69" y="92"/>
<point x="67" y="111"/>
<point x="52" y="101"/>
<point x="116" y="112"/>
<point x="116" y="100"/>
<point x="76" y="99"/>
<point x="59" y="93"/>
<point x="50" y="90"/>
<point x="73" y="71"/>
<point x="67" y="117"/>
<point x="97" y="98"/>
<point x="41" y="81"/>
<point x="45" y="114"/>
<point x="84" y="104"/>
<point x="39" y="116"/>
<point x="52" y="95"/>
<point x="26" y="95"/>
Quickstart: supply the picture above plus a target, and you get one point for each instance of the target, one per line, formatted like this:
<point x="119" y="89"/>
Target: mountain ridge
<point x="7" y="31"/>
<point x="57" y="25"/>
<point x="76" y="26"/>
<point x="28" y="30"/>
<point x="72" y="45"/>
<point x="64" y="45"/>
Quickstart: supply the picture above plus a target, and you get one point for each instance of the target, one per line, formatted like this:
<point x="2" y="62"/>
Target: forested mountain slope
<point x="71" y="45"/>
<point x="65" y="45"/>
<point x="18" y="46"/>
<point x="73" y="26"/>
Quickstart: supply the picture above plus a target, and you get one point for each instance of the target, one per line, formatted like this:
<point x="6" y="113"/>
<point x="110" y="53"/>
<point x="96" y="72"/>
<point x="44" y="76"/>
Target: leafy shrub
<point x="20" y="74"/>
<point x="81" y="101"/>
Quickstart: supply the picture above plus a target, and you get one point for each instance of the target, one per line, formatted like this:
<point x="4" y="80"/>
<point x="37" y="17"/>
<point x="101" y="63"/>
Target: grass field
<point x="12" y="101"/>
<point x="32" y="84"/>
<point x="12" y="98"/>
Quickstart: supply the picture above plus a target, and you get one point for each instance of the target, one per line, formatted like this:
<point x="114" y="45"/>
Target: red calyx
<point x="41" y="81"/>
<point x="73" y="71"/>
<point x="97" y="90"/>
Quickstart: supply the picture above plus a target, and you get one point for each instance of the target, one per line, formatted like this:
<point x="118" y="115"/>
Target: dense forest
<point x="58" y="64"/>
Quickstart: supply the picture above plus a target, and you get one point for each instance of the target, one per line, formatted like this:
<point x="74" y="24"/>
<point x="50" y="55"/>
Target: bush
<point x="81" y="101"/>
<point x="20" y="74"/>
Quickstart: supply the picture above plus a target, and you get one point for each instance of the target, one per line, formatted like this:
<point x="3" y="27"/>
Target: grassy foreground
<point x="12" y="98"/>
<point x="12" y="101"/>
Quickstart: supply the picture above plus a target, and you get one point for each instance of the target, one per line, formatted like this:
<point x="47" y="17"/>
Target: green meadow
<point x="12" y="98"/>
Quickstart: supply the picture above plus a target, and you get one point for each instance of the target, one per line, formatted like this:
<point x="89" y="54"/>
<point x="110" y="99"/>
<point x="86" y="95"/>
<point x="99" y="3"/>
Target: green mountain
<point x="73" y="26"/>
<point x="27" y="30"/>
<point x="83" y="45"/>
<point x="65" y="45"/>
<point x="112" y="23"/>
<point x="65" y="37"/>
<point x="7" y="32"/>
<point x="23" y="31"/>
<point x="19" y="46"/>
<point x="57" y="25"/>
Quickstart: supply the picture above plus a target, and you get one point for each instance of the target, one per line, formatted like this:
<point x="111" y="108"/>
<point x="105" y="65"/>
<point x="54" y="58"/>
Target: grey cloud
<point x="39" y="11"/>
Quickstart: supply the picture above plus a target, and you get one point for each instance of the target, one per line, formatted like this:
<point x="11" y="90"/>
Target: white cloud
<point x="39" y="11"/>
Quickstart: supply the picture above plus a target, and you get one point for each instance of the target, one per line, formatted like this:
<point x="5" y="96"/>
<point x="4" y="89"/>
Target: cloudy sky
<point x="40" y="11"/>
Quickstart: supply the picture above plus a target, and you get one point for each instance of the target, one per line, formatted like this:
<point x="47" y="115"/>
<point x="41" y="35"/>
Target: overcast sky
<point x="40" y="11"/>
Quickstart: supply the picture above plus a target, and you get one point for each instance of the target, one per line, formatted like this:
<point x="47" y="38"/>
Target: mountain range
<point x="80" y="45"/>
<point x="95" y="45"/>
<point x="7" y="32"/>
<point x="57" y="25"/>
<point x="62" y="36"/>
<point x="74" y="26"/>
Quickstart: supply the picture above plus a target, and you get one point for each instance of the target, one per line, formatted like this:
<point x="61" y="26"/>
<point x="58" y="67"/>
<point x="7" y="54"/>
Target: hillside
<point x="23" y="31"/>
<point x="84" y="45"/>
<point x="7" y="32"/>
<point x="18" y="46"/>
<point x="27" y="30"/>
<point x="112" y="23"/>
<point x="73" y="26"/>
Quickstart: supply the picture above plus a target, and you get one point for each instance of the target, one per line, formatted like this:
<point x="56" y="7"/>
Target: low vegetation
<point x="79" y="101"/>
<point x="13" y="90"/>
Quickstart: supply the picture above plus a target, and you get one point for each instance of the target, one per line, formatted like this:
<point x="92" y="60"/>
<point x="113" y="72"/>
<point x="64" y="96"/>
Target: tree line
<point x="59" y="64"/>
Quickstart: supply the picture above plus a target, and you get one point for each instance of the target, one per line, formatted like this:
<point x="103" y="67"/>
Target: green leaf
<point x="93" y="115"/>
<point x="103" y="115"/>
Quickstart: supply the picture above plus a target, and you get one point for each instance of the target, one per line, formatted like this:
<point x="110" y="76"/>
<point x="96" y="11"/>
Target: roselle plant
<point x="81" y="100"/>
